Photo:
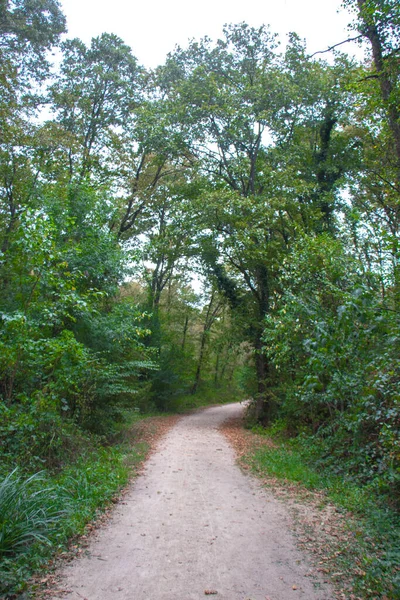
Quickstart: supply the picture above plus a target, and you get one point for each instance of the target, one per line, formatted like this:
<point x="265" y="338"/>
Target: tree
<point x="377" y="131"/>
<point x="260" y="127"/>
<point x="212" y="311"/>
<point x="379" y="22"/>
<point x="94" y="95"/>
<point x="28" y="29"/>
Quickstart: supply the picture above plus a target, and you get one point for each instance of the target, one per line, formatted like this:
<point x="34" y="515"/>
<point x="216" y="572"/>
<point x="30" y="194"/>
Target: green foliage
<point x="28" y="29"/>
<point x="37" y="22"/>
<point x="334" y="345"/>
<point x="118" y="336"/>
<point x="96" y="90"/>
<point x="50" y="382"/>
<point x="91" y="483"/>
<point x="32" y="433"/>
<point x="39" y="513"/>
<point x="173" y="378"/>
<point x="272" y="178"/>
<point x="46" y="373"/>
<point x="28" y="511"/>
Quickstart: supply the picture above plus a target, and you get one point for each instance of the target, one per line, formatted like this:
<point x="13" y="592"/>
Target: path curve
<point x="193" y="523"/>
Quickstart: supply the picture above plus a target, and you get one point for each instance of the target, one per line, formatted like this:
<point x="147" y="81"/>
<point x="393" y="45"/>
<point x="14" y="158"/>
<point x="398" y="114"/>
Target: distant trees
<point x="261" y="128"/>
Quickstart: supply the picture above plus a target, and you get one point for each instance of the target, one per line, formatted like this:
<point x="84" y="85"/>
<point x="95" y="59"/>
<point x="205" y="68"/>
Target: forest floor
<point x="193" y="524"/>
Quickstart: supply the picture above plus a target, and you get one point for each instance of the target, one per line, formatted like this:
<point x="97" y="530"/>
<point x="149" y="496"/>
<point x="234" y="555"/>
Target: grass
<point x="39" y="514"/>
<point x="28" y="511"/>
<point x="375" y="544"/>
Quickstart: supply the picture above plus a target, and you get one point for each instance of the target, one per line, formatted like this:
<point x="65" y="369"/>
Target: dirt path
<point x="194" y="525"/>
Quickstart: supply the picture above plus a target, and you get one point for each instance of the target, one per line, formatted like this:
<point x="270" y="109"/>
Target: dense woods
<point x="225" y="226"/>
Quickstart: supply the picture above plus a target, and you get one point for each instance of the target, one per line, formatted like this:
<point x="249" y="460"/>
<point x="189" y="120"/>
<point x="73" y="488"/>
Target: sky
<point x="153" y="28"/>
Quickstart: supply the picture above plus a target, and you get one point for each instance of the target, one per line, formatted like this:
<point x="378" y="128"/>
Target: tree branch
<point x="353" y="39"/>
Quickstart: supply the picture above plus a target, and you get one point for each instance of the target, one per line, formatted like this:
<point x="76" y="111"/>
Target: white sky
<point x="153" y="28"/>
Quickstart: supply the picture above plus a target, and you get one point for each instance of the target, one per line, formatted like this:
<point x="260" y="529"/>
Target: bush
<point x="334" y="345"/>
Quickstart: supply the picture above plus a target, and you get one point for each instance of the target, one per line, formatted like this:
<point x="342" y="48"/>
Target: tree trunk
<point x="263" y="405"/>
<point x="185" y="329"/>
<point x="386" y="85"/>
<point x="200" y="362"/>
<point x="212" y="312"/>
<point x="216" y="373"/>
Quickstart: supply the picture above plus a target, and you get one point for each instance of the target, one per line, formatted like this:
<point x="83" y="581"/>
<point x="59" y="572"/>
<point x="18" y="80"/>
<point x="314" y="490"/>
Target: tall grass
<point x="29" y="508"/>
<point x="39" y="514"/>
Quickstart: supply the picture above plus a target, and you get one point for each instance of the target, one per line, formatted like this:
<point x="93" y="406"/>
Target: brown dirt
<point x="147" y="431"/>
<point x="321" y="529"/>
<point x="193" y="525"/>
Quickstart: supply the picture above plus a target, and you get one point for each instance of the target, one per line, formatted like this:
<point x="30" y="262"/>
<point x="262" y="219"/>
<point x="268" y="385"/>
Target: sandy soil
<point x="194" y="525"/>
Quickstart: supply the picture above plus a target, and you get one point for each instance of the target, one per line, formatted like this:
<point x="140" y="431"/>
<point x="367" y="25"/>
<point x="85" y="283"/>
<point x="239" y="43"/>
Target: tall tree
<point x="95" y="93"/>
<point x="261" y="128"/>
<point x="376" y="192"/>
<point x="379" y="22"/>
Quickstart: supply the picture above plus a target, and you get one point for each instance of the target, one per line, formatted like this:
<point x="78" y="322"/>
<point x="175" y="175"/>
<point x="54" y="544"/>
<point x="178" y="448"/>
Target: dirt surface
<point x="326" y="533"/>
<point x="194" y="525"/>
<point x="148" y="430"/>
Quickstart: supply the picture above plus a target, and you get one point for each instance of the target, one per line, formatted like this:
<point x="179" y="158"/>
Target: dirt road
<point x="193" y="525"/>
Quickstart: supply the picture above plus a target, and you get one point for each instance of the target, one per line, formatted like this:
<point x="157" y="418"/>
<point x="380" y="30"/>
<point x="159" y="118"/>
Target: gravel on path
<point x="194" y="525"/>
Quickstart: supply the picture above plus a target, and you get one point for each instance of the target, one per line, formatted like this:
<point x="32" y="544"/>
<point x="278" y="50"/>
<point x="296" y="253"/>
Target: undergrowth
<point x="40" y="513"/>
<point x="44" y="503"/>
<point x="375" y="525"/>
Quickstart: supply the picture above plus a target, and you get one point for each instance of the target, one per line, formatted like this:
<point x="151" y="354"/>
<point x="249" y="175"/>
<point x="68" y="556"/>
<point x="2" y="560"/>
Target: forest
<point x="223" y="227"/>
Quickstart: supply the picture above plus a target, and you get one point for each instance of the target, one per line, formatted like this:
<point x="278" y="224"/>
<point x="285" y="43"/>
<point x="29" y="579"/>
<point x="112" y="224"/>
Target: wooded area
<point x="267" y="178"/>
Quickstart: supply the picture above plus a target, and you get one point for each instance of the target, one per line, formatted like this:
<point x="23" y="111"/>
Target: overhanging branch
<point x="353" y="39"/>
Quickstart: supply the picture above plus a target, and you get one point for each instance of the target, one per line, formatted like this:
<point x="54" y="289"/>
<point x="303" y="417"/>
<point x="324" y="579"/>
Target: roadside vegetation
<point x="41" y="513"/>
<point x="224" y="226"/>
<point x="351" y="532"/>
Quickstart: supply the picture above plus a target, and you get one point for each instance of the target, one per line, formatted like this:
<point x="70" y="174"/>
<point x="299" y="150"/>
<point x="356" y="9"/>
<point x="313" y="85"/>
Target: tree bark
<point x="263" y="405"/>
<point x="185" y="329"/>
<point x="200" y="362"/>
<point x="392" y="109"/>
